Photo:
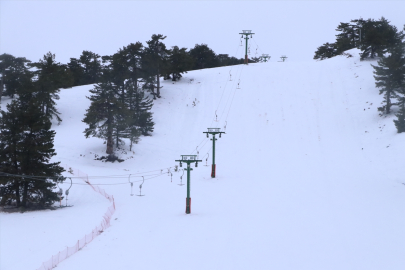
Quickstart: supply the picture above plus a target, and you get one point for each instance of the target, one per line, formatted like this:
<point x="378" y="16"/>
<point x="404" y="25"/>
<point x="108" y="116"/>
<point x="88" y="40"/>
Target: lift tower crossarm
<point x="188" y="159"/>
<point x="213" y="132"/>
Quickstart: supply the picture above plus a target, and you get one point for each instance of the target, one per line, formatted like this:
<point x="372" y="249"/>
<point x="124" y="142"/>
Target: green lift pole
<point x="188" y="159"/>
<point x="246" y="33"/>
<point x="213" y="132"/>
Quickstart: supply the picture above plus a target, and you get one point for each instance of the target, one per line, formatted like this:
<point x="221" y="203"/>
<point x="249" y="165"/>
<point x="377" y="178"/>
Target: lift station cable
<point x="226" y="82"/>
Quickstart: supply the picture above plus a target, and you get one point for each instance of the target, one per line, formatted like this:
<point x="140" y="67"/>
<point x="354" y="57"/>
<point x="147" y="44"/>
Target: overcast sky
<point x="292" y="28"/>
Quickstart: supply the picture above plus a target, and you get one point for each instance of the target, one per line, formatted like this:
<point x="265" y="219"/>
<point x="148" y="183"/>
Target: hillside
<point x="309" y="176"/>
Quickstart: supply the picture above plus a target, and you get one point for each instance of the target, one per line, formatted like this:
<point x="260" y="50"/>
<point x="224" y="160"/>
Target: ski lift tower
<point x="265" y="56"/>
<point x="246" y="33"/>
<point x="213" y="132"/>
<point x="188" y="159"/>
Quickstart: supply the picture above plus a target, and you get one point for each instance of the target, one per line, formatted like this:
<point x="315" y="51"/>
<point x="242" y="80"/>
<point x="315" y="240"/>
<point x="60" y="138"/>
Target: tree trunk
<point x="110" y="145"/>
<point x="25" y="194"/>
<point x="117" y="139"/>
<point x="17" y="192"/>
<point x="123" y="93"/>
<point x="158" y="84"/>
<point x="110" y="140"/>
<point x="136" y="81"/>
<point x="4" y="199"/>
<point x="153" y="91"/>
<point x="47" y="111"/>
<point x="388" y="107"/>
<point x="110" y="136"/>
<point x="1" y="85"/>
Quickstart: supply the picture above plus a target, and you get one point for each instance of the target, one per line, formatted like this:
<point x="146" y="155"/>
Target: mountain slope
<point x="308" y="175"/>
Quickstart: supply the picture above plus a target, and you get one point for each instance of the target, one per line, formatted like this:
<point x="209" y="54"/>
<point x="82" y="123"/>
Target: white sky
<point x="293" y="28"/>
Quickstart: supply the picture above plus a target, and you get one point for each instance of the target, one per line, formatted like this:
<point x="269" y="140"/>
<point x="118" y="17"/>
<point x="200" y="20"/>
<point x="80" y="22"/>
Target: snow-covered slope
<point x="309" y="176"/>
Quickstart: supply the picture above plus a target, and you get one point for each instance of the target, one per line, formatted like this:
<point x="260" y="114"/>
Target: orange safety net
<point x="105" y="223"/>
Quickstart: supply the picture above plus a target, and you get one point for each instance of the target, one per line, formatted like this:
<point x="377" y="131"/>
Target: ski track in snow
<point x="308" y="177"/>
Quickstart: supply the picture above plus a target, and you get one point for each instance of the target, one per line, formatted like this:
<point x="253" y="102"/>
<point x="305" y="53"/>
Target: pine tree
<point x="127" y="63"/>
<point x="37" y="146"/>
<point x="119" y="72"/>
<point x="390" y="76"/>
<point x="348" y="37"/>
<point x="105" y="115"/>
<point x="11" y="135"/>
<point x="119" y="108"/>
<point x="203" y="57"/>
<point x="377" y="37"/>
<point x="77" y="71"/>
<point x="141" y="108"/>
<point x="13" y="69"/>
<point x="154" y="62"/>
<point x="51" y="76"/>
<point x="400" y="122"/>
<point x="91" y="67"/>
<point x="133" y="54"/>
<point x="345" y="40"/>
<point x="179" y="62"/>
<point x="149" y="82"/>
<point x="133" y="131"/>
<point x="26" y="147"/>
<point x="325" y="51"/>
<point x="372" y="37"/>
<point x="229" y="61"/>
<point x="400" y="52"/>
<point x="87" y="69"/>
<point x="116" y="71"/>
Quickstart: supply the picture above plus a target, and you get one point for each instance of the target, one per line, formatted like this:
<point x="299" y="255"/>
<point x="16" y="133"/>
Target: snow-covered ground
<point x="309" y="176"/>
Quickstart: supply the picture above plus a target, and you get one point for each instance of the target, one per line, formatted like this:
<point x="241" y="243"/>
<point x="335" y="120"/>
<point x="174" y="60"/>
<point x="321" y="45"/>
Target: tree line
<point x="376" y="39"/>
<point x="372" y="37"/>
